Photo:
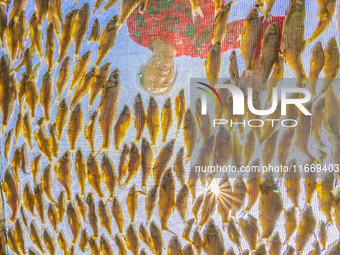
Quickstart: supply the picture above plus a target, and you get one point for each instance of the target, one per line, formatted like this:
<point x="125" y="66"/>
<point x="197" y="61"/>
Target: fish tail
<point x="167" y="229"/>
<point x="3" y="130"/>
<point x="196" y="10"/>
<point x="94" y="10"/>
<point x="143" y="188"/>
<point x="56" y="65"/>
<point x="101" y="10"/>
<point x="186" y="160"/>
<point x="147" y="222"/>
<point x="249" y="73"/>
<point x="75" y="57"/>
<point x="123" y="186"/>
<point x="72" y="153"/>
<point x="56" y="102"/>
<point x="69" y="93"/>
<point x="267" y="17"/>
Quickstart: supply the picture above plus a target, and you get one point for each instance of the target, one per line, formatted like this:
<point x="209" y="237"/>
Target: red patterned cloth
<point x="170" y="21"/>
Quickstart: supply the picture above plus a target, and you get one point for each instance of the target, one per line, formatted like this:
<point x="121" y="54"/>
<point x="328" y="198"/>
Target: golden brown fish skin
<point x="80" y="28"/>
<point x="197" y="241"/>
<point x="61" y="118"/>
<point x="134" y="165"/>
<point x="253" y="186"/>
<point x="233" y="68"/>
<point x="20" y="235"/>
<point x="233" y="233"/>
<point x="278" y="71"/>
<point x="270" y="52"/>
<point x="39" y="201"/>
<point x="316" y="62"/>
<point x="83" y="87"/>
<point x="28" y="198"/>
<point x="81" y="206"/>
<point x="46" y="94"/>
<point x="131" y="239"/>
<point x="111" y="3"/>
<point x="41" y="139"/>
<point x="139" y="117"/>
<point x="270" y="148"/>
<point x="269" y="126"/>
<point x="51" y="18"/>
<point x="105" y="216"/>
<point x="213" y="64"/>
<point x="98" y="82"/>
<point x="187" y="230"/>
<point x="220" y="28"/>
<point x="324" y="189"/>
<point x="94" y="176"/>
<point x="117" y="214"/>
<point x="131" y="202"/>
<point x="209" y="206"/>
<point x="66" y="31"/>
<point x="317" y="119"/>
<point x="36" y="236"/>
<point x="249" y="231"/>
<point x="53" y="140"/>
<point x="36" y="34"/>
<point x="49" y="241"/>
<point x="74" y="220"/>
<point x="249" y="147"/>
<point x="180" y="108"/>
<point x="49" y="46"/>
<point x="95" y="32"/>
<point x="275" y="244"/>
<point x="250" y="36"/>
<point x="190" y="132"/>
<point x="127" y="7"/>
<point x="18" y="127"/>
<point x="150" y="202"/>
<point x="105" y="245"/>
<point x="108" y="107"/>
<point x="72" y="250"/>
<point x="322" y="233"/>
<point x="204" y="157"/>
<point x="238" y="195"/>
<point x="192" y="182"/>
<point x="64" y="175"/>
<point x="9" y="101"/>
<point x="47" y="182"/>
<point x="12" y="242"/>
<point x="303" y="131"/>
<point x="152" y="120"/>
<point x="123" y="164"/>
<point x="22" y="33"/>
<point x="90" y="130"/>
<point x="146" y="162"/>
<point x="336" y="207"/>
<point x="55" y="6"/>
<point x="284" y="146"/>
<point x="175" y="246"/>
<point x="107" y="39"/>
<point x="290" y="222"/>
<point x="24" y="215"/>
<point x="16" y="162"/>
<point x="305" y="229"/>
<point x="94" y="246"/>
<point x="24" y="159"/>
<point x="32" y="99"/>
<point x="12" y="38"/>
<point x="203" y="121"/>
<point x="75" y="126"/>
<point x="62" y="242"/>
<point x="213" y="239"/>
<point x="122" y="126"/>
<point x="109" y="175"/>
<point x="271" y="205"/>
<point x="182" y="202"/>
<point x="331" y="119"/>
<point x="197" y="206"/>
<point x="166" y="118"/>
<point x="53" y="216"/>
<point x="63" y="76"/>
<point x="61" y="205"/>
<point x="144" y="236"/>
<point x="292" y="183"/>
<point x="166" y="202"/>
<point x="179" y="166"/>
<point x="156" y="238"/>
<point x="293" y="41"/>
<point x="162" y="161"/>
<point x="333" y="248"/>
<point x="41" y="7"/>
<point x="92" y="214"/>
<point x="3" y="26"/>
<point x="79" y="70"/>
<point x="8" y="143"/>
<point x="120" y="244"/>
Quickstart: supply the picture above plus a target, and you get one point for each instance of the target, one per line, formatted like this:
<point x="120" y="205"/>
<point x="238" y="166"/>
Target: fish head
<point x="250" y="135"/>
<point x="112" y="23"/>
<point x="84" y="8"/>
<point x="130" y="230"/>
<point x="71" y="207"/>
<point x="79" y="153"/>
<point x="90" y="198"/>
<point x="71" y="14"/>
<point x="38" y="189"/>
<point x="10" y="133"/>
<point x="272" y="29"/>
<point x="41" y="122"/>
<point x="105" y="159"/>
<point x="180" y="152"/>
<point x="253" y="14"/>
<point x="211" y="228"/>
<point x="50" y="28"/>
<point x="126" y="110"/>
<point x="138" y="98"/>
<point x="63" y="103"/>
<point x="95" y="23"/>
<point x="145" y="143"/>
<point x="126" y="149"/>
<point x="66" y="62"/>
<point x="198" y="105"/>
<point x="167" y="102"/>
<point x="308" y="213"/>
<point x="181" y="93"/>
<point x="106" y="66"/>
